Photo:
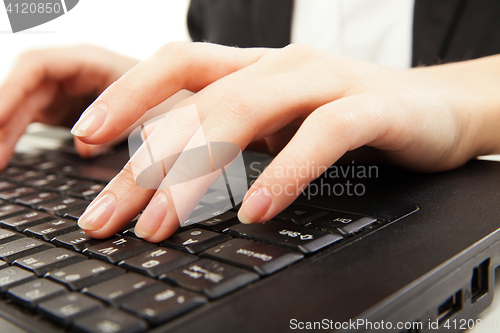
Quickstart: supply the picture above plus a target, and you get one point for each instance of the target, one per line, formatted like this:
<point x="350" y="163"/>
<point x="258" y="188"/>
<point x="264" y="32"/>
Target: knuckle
<point x="173" y="48"/>
<point x="236" y="104"/>
<point x="125" y="180"/>
<point x="337" y="125"/>
<point x="299" y="51"/>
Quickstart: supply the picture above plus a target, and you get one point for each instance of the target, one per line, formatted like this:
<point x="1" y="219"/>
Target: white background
<point x="133" y="27"/>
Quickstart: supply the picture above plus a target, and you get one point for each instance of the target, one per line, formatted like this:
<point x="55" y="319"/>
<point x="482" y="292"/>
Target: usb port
<point x="450" y="307"/>
<point x="479" y="282"/>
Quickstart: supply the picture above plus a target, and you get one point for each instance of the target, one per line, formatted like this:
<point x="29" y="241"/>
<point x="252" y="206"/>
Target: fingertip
<point x="153" y="217"/>
<point x="90" y="121"/>
<point x="255" y="206"/>
<point x="85" y="150"/>
<point x="243" y="219"/>
<point x="141" y="234"/>
<point x="85" y="226"/>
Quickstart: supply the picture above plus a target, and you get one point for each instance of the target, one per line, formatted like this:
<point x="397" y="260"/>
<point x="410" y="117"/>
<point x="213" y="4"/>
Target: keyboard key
<point x="159" y="306"/>
<point x="109" y="320"/>
<point x="344" y="223"/>
<point x="34" y="200"/>
<point x="300" y="214"/>
<point x="3" y="264"/>
<point x="54" y="167"/>
<point x="22" y="247"/>
<point x="11" y="210"/>
<point x="31" y="293"/>
<point x="75" y="214"/>
<point x="158" y="261"/>
<point x="85" y="273"/>
<point x="25" y="160"/>
<point x="117" y="290"/>
<point x="261" y="258"/>
<point x="195" y="240"/>
<point x="67" y="184"/>
<point x="63" y="309"/>
<point x="7" y="236"/>
<point x="7" y="185"/>
<point x="88" y="193"/>
<point x="47" y="166"/>
<point x="212" y="278"/>
<point x="12" y="170"/>
<point x="26" y="220"/>
<point x="25" y="175"/>
<point x="51" y="229"/>
<point x="216" y="198"/>
<point x="219" y="222"/>
<point x="62" y="205"/>
<point x="46" y="261"/>
<point x="42" y="181"/>
<point x="16" y="193"/>
<point x="295" y="237"/>
<point x="118" y="248"/>
<point x="14" y="276"/>
<point x="76" y="241"/>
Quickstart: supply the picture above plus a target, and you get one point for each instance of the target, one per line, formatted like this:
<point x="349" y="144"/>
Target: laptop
<point x="366" y="248"/>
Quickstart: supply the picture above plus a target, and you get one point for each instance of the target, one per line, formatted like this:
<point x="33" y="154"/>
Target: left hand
<point x="420" y="118"/>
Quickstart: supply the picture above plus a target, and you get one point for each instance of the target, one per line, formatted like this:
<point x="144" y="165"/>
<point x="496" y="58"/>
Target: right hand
<point x="48" y="85"/>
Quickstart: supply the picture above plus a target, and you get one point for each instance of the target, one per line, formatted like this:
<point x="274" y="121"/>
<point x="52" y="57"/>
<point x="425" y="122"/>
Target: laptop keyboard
<point x="53" y="270"/>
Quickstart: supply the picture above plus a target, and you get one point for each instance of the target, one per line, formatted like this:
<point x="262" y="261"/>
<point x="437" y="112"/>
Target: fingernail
<point x="90" y="120"/>
<point x="98" y="213"/>
<point x="255" y="206"/>
<point x="152" y="217"/>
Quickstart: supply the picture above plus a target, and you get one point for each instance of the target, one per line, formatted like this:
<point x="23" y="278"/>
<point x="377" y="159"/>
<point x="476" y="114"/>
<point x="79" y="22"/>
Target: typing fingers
<point x="325" y="135"/>
<point x="176" y="66"/>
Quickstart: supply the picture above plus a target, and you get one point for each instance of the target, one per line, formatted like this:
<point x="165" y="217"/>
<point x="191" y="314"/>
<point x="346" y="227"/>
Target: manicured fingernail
<point x="90" y="120"/>
<point x="98" y="213"/>
<point x="255" y="206"/>
<point x="152" y="217"/>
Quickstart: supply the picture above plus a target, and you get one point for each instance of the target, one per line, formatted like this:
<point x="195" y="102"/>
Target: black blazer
<point x="443" y="30"/>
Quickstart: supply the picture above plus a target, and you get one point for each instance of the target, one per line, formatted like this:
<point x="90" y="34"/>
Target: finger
<point x="11" y="131"/>
<point x="176" y="66"/>
<point x="132" y="184"/>
<point x="100" y="218"/>
<point x="98" y="69"/>
<point x="241" y="116"/>
<point x="88" y="151"/>
<point x="328" y="133"/>
<point x="31" y="69"/>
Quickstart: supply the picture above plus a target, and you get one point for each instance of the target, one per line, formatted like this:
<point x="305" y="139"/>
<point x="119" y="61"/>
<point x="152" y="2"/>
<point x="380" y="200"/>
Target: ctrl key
<point x="109" y="320"/>
<point x="65" y="308"/>
<point x="34" y="292"/>
<point x="162" y="304"/>
<point x="13" y="276"/>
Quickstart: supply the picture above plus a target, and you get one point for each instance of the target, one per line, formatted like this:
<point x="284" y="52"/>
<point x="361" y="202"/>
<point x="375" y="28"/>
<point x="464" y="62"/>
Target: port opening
<point x="450" y="307"/>
<point x="479" y="282"/>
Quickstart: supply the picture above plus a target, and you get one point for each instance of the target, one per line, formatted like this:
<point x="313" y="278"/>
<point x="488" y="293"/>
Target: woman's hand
<point x="428" y="119"/>
<point x="49" y="85"/>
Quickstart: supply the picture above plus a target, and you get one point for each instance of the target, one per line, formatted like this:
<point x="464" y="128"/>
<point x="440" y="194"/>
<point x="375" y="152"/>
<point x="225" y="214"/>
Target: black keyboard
<point x="52" y="270"/>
